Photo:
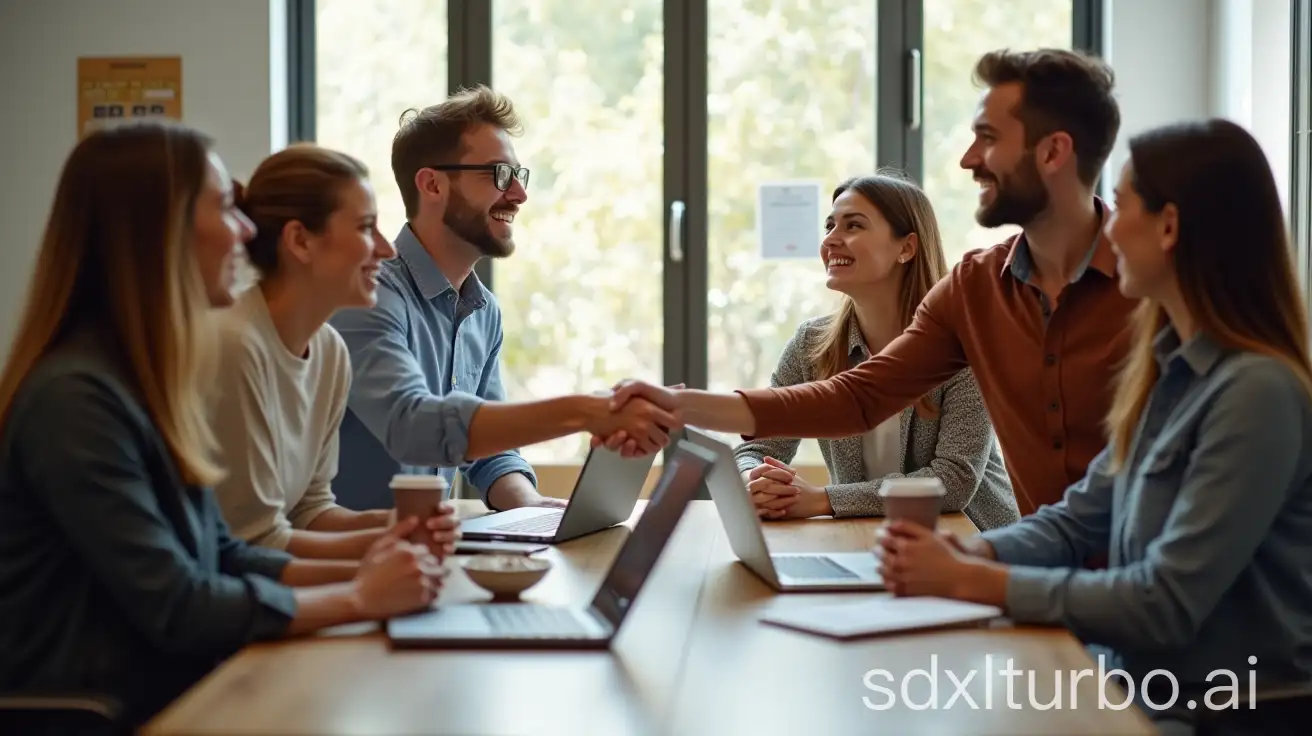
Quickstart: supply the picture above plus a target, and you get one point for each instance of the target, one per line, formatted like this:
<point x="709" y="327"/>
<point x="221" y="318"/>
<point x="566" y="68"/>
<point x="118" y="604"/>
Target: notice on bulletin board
<point x="114" y="89"/>
<point x="788" y="219"/>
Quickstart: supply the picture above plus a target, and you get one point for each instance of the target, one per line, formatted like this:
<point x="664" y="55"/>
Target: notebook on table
<point x="882" y="615"/>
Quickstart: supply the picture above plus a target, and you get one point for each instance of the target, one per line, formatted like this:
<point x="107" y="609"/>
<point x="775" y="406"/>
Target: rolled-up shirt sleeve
<point x="96" y="485"/>
<point x="483" y="473"/>
<point x="390" y="395"/>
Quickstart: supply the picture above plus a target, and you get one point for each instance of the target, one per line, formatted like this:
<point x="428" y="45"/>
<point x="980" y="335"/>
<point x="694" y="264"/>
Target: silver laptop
<point x="540" y="626"/>
<point x="604" y="495"/>
<point x="828" y="571"/>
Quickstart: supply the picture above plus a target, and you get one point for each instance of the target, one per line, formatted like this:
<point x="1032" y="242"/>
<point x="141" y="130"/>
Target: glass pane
<point x="375" y="59"/>
<point x="581" y="296"/>
<point x="957" y="33"/>
<point x="791" y="95"/>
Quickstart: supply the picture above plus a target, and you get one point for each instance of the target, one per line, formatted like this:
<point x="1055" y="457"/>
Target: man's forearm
<point x="502" y="426"/>
<point x="338" y="519"/>
<point x="332" y="545"/>
<point x="511" y="491"/>
<point x="306" y="573"/>
<point x="716" y="411"/>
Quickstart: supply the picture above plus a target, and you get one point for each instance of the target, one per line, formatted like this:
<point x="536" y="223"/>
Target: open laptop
<point x="828" y="571"/>
<point x="604" y="495"/>
<point x="541" y="626"/>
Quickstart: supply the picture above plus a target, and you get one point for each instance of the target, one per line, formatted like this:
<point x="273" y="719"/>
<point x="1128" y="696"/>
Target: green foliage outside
<point x="790" y="96"/>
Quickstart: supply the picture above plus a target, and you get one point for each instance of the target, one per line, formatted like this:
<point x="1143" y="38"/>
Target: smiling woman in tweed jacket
<point x="882" y="251"/>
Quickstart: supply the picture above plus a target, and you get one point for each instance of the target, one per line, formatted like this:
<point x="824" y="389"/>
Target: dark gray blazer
<point x="115" y="577"/>
<point x="958" y="446"/>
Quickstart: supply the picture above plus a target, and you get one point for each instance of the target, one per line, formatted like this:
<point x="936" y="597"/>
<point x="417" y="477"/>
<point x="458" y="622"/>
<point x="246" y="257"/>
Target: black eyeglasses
<point x="501" y="173"/>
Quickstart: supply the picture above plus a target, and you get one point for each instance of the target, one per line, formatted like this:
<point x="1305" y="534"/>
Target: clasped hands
<point x="397" y="576"/>
<point x="778" y="492"/>
<point x="916" y="561"/>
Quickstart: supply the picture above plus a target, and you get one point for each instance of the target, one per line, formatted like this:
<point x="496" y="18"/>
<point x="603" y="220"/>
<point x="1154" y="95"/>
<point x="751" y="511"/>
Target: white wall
<point x="1159" y="50"/>
<point x="1182" y="59"/>
<point x="226" y="90"/>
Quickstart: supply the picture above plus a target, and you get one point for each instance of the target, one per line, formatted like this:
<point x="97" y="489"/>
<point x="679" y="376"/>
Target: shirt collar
<point x="1200" y="354"/>
<point x="856" y="343"/>
<point x="428" y="277"/>
<point x="1100" y="256"/>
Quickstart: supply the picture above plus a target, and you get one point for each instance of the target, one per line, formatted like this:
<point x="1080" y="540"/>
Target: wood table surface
<point x="691" y="658"/>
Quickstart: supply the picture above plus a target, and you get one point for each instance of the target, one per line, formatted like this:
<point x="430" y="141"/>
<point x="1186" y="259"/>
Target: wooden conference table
<point x="692" y="658"/>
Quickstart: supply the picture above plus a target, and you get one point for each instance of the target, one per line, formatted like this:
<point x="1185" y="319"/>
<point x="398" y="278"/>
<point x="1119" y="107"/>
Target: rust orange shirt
<point x="1046" y="374"/>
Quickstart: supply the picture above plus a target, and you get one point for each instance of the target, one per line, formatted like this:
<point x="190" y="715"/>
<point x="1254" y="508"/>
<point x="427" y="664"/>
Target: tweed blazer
<point x="958" y="446"/>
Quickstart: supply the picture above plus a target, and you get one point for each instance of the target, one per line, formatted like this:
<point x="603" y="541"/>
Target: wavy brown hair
<point x="1232" y="259"/>
<point x="117" y="253"/>
<point x="907" y="210"/>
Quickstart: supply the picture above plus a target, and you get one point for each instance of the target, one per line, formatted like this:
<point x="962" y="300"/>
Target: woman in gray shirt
<point x="117" y="572"/>
<point x="1202" y="501"/>
<point x="882" y="252"/>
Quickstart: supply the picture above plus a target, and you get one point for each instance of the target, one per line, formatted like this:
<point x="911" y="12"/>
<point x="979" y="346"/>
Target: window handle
<point x="915" y="92"/>
<point x="675" y="242"/>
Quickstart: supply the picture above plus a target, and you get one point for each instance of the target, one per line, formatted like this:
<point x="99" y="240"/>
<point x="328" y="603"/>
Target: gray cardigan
<point x="958" y="446"/>
<point x="115" y="576"/>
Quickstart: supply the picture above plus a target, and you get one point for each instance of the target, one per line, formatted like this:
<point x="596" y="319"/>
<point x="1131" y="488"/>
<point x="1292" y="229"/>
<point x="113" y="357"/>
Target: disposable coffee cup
<point x="418" y="495"/>
<point x="917" y="500"/>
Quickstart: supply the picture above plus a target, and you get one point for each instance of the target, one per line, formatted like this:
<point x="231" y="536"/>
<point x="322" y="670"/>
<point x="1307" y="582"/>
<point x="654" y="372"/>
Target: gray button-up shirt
<point x="1207" y="528"/>
<point x="422" y="361"/>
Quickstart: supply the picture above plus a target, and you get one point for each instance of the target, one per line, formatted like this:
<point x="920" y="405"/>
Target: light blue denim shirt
<point x="422" y="362"/>
<point x="1208" y="529"/>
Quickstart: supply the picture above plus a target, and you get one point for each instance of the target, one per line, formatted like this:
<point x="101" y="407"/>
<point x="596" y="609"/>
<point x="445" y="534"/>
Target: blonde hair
<point x="302" y="182"/>
<point x="1232" y="258"/>
<point x="117" y="252"/>
<point x="907" y="210"/>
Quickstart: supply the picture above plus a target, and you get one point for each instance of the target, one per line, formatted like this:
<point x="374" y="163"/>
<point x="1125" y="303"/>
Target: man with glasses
<point x="426" y="394"/>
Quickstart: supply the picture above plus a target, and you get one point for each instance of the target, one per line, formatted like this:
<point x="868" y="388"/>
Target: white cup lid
<point x="912" y="487"/>
<point x="419" y="482"/>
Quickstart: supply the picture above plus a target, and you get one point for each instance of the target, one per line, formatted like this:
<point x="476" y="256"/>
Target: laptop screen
<point x="682" y="475"/>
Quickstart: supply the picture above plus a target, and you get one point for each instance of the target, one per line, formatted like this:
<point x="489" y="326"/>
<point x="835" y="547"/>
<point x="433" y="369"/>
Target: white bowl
<point x="506" y="576"/>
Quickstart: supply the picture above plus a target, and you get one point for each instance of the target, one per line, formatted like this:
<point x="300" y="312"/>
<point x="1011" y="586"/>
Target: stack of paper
<point x="882" y="615"/>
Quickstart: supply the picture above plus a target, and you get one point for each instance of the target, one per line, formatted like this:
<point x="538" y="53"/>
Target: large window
<point x="957" y="32"/>
<point x="376" y="58"/>
<point x="581" y="297"/>
<point x="790" y="96"/>
<point x="649" y="126"/>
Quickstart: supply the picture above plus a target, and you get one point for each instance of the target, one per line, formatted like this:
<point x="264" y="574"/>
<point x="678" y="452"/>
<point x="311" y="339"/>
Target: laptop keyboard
<point x="538" y="622"/>
<point x="812" y="567"/>
<point x="533" y="525"/>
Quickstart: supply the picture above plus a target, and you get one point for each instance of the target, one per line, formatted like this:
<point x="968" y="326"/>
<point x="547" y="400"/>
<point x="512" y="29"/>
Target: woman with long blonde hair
<point x="117" y="571"/>
<point x="882" y="252"/>
<point x="1202" y="501"/>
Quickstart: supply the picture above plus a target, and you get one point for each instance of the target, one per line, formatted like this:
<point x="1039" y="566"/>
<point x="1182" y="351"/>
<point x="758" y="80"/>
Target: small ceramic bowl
<point x="506" y="576"/>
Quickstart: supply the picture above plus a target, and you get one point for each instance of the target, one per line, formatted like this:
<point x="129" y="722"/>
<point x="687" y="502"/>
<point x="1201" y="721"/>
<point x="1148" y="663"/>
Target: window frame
<point x="899" y="138"/>
<point x="1300" y="149"/>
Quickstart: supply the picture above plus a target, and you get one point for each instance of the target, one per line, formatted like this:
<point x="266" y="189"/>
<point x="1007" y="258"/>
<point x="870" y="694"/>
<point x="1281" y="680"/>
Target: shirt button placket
<point x="455" y="339"/>
<point x="1052" y="385"/>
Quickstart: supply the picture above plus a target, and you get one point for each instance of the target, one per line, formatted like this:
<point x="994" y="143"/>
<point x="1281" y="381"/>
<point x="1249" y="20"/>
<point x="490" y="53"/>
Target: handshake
<point x="639" y="419"/>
